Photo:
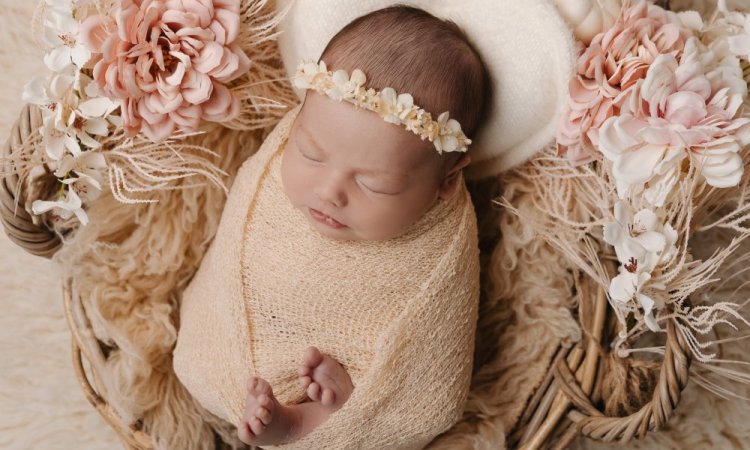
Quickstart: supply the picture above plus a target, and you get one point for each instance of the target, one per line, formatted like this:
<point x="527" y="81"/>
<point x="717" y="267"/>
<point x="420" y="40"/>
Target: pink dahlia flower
<point x="607" y="70"/>
<point x="168" y="62"/>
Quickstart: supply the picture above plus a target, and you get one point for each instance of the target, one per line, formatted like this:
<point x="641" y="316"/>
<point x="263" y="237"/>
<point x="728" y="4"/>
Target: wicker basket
<point x="567" y="403"/>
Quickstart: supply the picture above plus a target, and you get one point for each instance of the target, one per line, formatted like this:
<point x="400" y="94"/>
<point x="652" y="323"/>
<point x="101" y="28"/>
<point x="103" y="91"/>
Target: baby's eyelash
<point x="372" y="190"/>
<point x="307" y="157"/>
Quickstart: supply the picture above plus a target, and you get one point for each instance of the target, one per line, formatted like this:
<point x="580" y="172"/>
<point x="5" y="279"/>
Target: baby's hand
<point x="325" y="379"/>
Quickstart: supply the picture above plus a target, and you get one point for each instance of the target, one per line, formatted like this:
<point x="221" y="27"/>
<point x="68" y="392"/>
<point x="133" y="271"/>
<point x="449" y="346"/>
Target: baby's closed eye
<point x="377" y="188"/>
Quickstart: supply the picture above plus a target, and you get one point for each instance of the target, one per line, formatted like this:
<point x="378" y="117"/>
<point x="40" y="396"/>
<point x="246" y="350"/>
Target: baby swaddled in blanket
<point x="336" y="307"/>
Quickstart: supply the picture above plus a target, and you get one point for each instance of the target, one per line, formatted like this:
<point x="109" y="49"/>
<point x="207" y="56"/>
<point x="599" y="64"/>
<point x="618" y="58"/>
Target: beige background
<point x="41" y="402"/>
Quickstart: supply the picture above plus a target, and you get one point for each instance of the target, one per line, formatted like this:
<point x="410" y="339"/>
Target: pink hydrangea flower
<point x="608" y="69"/>
<point x="168" y="62"/>
<point x="680" y="110"/>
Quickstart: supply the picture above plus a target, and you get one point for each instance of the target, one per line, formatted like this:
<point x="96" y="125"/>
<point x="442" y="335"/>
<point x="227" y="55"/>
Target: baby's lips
<point x="322" y="217"/>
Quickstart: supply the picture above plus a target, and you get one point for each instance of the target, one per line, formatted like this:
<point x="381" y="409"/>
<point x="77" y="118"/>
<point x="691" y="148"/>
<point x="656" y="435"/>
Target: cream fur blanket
<point x="400" y="315"/>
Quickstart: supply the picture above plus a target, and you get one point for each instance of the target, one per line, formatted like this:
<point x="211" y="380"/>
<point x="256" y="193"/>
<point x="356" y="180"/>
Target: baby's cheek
<point x="288" y="180"/>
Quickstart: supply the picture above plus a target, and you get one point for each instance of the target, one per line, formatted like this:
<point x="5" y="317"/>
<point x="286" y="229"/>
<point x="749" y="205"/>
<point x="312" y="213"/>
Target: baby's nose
<point x="332" y="191"/>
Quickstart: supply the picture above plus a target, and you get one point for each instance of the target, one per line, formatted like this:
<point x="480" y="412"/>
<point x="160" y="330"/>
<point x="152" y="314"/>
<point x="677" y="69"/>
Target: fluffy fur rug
<point x="41" y="405"/>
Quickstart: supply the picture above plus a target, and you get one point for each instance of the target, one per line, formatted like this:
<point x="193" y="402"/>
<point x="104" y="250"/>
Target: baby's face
<point x="356" y="176"/>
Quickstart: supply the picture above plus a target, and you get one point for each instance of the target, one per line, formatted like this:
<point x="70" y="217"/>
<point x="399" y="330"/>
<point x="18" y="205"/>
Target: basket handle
<point x="673" y="377"/>
<point x="19" y="224"/>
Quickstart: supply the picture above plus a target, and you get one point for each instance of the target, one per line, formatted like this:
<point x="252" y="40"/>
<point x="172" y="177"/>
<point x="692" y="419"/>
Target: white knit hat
<point x="528" y="48"/>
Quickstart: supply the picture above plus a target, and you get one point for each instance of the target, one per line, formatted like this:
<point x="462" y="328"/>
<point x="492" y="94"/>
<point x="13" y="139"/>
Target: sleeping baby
<point x="336" y="307"/>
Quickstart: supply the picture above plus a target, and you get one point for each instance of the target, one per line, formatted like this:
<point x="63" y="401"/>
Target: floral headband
<point x="399" y="109"/>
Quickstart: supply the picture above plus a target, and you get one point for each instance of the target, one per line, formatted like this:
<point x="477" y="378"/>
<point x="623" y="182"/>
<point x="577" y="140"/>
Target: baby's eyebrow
<point x="311" y="138"/>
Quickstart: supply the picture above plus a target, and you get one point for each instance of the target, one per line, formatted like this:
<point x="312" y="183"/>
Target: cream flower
<point x="397" y="108"/>
<point x="344" y="86"/>
<point x="447" y="140"/>
<point x="310" y="74"/>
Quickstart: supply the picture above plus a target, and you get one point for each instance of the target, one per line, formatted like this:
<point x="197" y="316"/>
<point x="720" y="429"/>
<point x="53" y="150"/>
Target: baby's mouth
<point x="324" y="219"/>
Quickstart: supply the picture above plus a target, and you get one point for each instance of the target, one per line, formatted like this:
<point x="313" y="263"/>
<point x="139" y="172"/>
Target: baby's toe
<point x="264" y="415"/>
<point x="313" y="391"/>
<point x="244" y="432"/>
<point x="328" y="397"/>
<point x="305" y="381"/>
<point x="313" y="357"/>
<point x="251" y="383"/>
<point x="258" y="386"/>
<point x="265" y="401"/>
<point x="257" y="426"/>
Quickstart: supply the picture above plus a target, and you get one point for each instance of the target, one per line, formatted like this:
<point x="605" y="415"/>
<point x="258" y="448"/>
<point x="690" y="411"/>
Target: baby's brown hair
<point x="414" y="52"/>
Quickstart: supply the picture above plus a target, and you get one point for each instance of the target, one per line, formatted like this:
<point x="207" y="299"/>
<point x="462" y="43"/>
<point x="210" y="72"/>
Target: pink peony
<point x="609" y="68"/>
<point x="168" y="62"/>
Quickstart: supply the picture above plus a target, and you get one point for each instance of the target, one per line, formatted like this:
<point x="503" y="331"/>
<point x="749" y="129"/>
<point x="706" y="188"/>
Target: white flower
<point x="88" y="168"/>
<point x="626" y="288"/>
<point x="56" y="141"/>
<point x="67" y="118"/>
<point x="735" y="27"/>
<point x="69" y="204"/>
<point x="740" y="43"/>
<point x="61" y="35"/>
<point x="47" y="92"/>
<point x="642" y="243"/>
<point x="90" y="119"/>
<point x="640" y="240"/>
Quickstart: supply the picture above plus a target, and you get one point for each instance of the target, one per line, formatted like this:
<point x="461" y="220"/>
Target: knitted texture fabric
<point x="399" y="315"/>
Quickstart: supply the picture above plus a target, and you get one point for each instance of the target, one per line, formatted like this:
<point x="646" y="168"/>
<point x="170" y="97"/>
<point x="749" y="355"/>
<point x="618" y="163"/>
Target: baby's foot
<point x="325" y="379"/>
<point x="266" y="421"/>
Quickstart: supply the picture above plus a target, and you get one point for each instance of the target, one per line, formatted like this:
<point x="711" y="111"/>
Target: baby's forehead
<point x="361" y="135"/>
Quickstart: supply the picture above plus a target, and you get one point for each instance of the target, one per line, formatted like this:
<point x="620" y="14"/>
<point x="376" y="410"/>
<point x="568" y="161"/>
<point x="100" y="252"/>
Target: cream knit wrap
<point x="399" y="315"/>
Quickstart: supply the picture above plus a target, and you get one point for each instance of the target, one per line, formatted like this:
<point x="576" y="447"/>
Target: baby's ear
<point x="449" y="185"/>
